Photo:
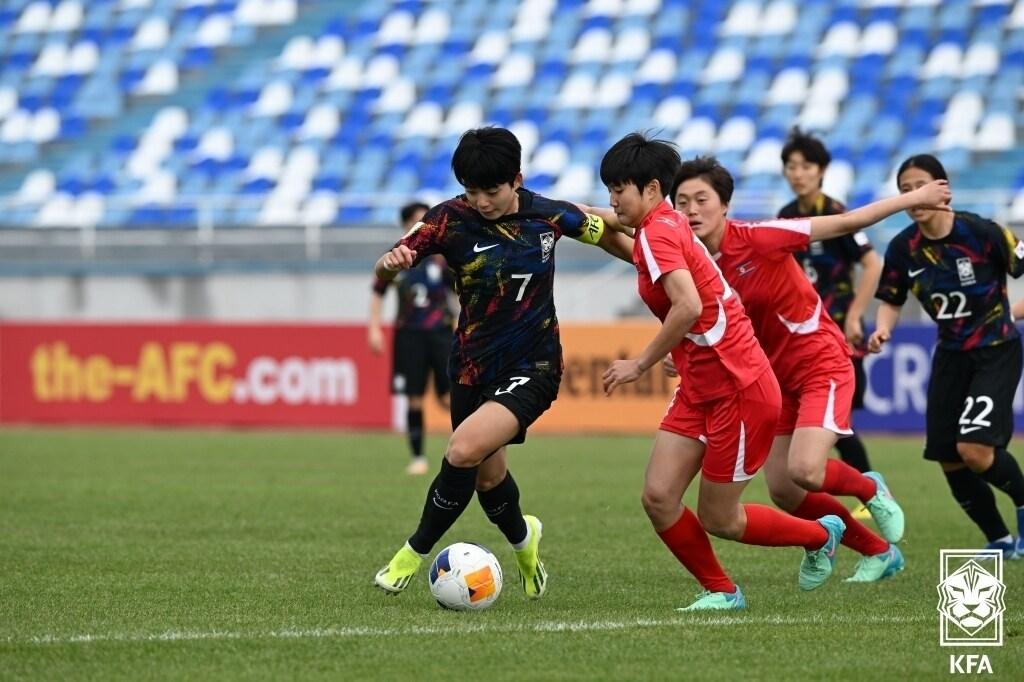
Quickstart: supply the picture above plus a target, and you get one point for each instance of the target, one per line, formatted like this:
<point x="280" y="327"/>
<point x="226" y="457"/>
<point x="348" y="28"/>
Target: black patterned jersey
<point x="504" y="274"/>
<point x="960" y="279"/>
<point x="422" y="295"/>
<point x="830" y="263"/>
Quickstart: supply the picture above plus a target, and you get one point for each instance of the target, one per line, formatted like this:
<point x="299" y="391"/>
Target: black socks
<point x="414" y="428"/>
<point x="447" y="497"/>
<point x="501" y="504"/>
<point x="851" y="450"/>
<point x="1005" y="474"/>
<point x="976" y="499"/>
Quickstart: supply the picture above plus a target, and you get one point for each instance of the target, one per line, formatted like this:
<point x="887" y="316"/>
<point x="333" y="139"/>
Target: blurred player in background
<point x="956" y="264"/>
<point x="506" y="360"/>
<point x="830" y="264"/>
<point x="423" y="335"/>
<point x="722" y="418"/>
<point x="807" y="351"/>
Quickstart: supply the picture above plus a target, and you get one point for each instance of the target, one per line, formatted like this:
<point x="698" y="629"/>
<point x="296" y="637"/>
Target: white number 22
<point x="943" y="302"/>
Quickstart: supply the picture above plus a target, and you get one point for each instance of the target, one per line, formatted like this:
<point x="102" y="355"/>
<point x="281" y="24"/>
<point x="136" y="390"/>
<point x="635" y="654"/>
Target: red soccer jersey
<point x="788" y="316"/>
<point x="720" y="354"/>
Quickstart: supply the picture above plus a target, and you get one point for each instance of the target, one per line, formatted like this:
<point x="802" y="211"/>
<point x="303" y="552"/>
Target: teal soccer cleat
<point x="817" y="564"/>
<point x="717" y="601"/>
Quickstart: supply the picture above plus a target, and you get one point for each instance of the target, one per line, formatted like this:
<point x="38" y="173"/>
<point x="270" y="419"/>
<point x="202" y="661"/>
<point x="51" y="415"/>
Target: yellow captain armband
<point x="593" y="228"/>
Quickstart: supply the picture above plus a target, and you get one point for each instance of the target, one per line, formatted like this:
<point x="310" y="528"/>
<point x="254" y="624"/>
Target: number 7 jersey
<point x="959" y="279"/>
<point x="504" y="274"/>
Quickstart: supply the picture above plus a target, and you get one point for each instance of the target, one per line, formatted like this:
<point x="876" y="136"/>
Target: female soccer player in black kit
<point x="955" y="264"/>
<point x="505" y="364"/>
<point x="423" y="335"/>
<point x="830" y="265"/>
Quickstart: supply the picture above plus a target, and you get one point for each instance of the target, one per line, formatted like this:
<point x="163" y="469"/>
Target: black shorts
<point x="419" y="352"/>
<point x="860" y="382"/>
<point x="527" y="393"/>
<point x="970" y="398"/>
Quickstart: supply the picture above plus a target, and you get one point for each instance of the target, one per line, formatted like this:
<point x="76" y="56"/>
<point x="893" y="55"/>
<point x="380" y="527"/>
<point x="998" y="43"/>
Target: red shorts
<point x="825" y="400"/>
<point x="737" y="430"/>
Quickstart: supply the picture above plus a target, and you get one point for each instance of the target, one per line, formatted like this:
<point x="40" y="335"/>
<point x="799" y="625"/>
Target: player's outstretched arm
<point x="617" y="244"/>
<point x="399" y="258"/>
<point x="608" y="216"/>
<point x="885" y="321"/>
<point x="935" y="195"/>
<point x="685" y="311"/>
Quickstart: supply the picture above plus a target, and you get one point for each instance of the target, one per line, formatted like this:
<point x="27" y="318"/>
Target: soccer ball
<point x="465" y="577"/>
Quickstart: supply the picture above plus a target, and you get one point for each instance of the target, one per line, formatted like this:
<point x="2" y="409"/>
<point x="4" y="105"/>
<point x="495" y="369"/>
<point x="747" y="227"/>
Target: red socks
<point x="689" y="542"/>
<point x="772" y="528"/>
<point x="857" y="537"/>
<point x="843" y="479"/>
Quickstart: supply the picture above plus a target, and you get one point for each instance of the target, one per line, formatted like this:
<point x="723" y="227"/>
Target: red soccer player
<point x="722" y="419"/>
<point x="807" y="350"/>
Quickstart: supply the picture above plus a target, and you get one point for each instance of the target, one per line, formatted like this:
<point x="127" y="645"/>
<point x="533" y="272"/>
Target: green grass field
<point x="221" y="555"/>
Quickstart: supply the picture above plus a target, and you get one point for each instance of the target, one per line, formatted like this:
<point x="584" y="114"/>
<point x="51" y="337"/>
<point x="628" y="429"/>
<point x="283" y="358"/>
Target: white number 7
<point x="522" y="287"/>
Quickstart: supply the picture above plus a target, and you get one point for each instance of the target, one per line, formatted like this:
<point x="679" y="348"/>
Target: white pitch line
<point x="472" y="628"/>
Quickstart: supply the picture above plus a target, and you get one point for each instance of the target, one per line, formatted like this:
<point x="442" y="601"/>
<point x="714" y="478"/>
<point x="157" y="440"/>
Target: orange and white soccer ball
<point x="465" y="577"/>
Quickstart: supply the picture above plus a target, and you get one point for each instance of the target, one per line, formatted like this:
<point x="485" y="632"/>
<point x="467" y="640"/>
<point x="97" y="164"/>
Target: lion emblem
<point x="971" y="597"/>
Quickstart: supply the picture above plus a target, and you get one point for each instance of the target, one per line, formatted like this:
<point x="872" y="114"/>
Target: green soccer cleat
<point x="395" y="577"/>
<point x="884" y="510"/>
<point x="878" y="567"/>
<point x="717" y="601"/>
<point x="531" y="568"/>
<point x="817" y="564"/>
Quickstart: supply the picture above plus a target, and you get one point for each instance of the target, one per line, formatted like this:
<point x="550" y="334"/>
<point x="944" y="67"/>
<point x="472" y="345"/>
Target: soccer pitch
<point x="225" y="555"/>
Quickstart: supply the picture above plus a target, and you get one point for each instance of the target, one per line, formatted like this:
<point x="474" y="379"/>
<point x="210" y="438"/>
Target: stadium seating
<point x="117" y="113"/>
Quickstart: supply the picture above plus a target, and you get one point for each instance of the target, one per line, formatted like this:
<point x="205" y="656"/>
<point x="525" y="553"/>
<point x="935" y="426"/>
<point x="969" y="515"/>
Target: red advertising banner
<point x="214" y="374"/>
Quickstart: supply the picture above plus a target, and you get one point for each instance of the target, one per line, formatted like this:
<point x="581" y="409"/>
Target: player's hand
<point x="935" y="195"/>
<point x="620" y="372"/>
<point x="878" y="339"/>
<point x="399" y="258"/>
<point x="854" y="331"/>
<point x="669" y="367"/>
<point x="375" y="339"/>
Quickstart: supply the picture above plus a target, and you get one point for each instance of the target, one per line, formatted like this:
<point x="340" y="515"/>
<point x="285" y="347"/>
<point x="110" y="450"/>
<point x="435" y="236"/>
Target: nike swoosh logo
<point x="968" y="429"/>
<point x="915" y="273"/>
<point x="479" y="249"/>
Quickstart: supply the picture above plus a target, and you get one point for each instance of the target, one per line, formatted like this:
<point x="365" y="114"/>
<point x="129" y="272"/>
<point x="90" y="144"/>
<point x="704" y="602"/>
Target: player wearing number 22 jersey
<point x="956" y="265"/>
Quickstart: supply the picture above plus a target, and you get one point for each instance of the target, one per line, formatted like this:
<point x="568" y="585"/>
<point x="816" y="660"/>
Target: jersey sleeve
<point x="427" y="236"/>
<point x="662" y="249"/>
<point x="584" y="227"/>
<point x="1011" y="250"/>
<point x="894" y="282"/>
<point x="777" y="238"/>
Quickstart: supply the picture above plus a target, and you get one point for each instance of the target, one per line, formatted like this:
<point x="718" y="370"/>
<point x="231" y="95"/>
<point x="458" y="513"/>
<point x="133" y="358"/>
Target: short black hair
<point x="708" y="168"/>
<point x="487" y="157"/>
<point x="926" y="162"/>
<point x="812" y="149"/>
<point x="410" y="209"/>
<point x="638" y="158"/>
